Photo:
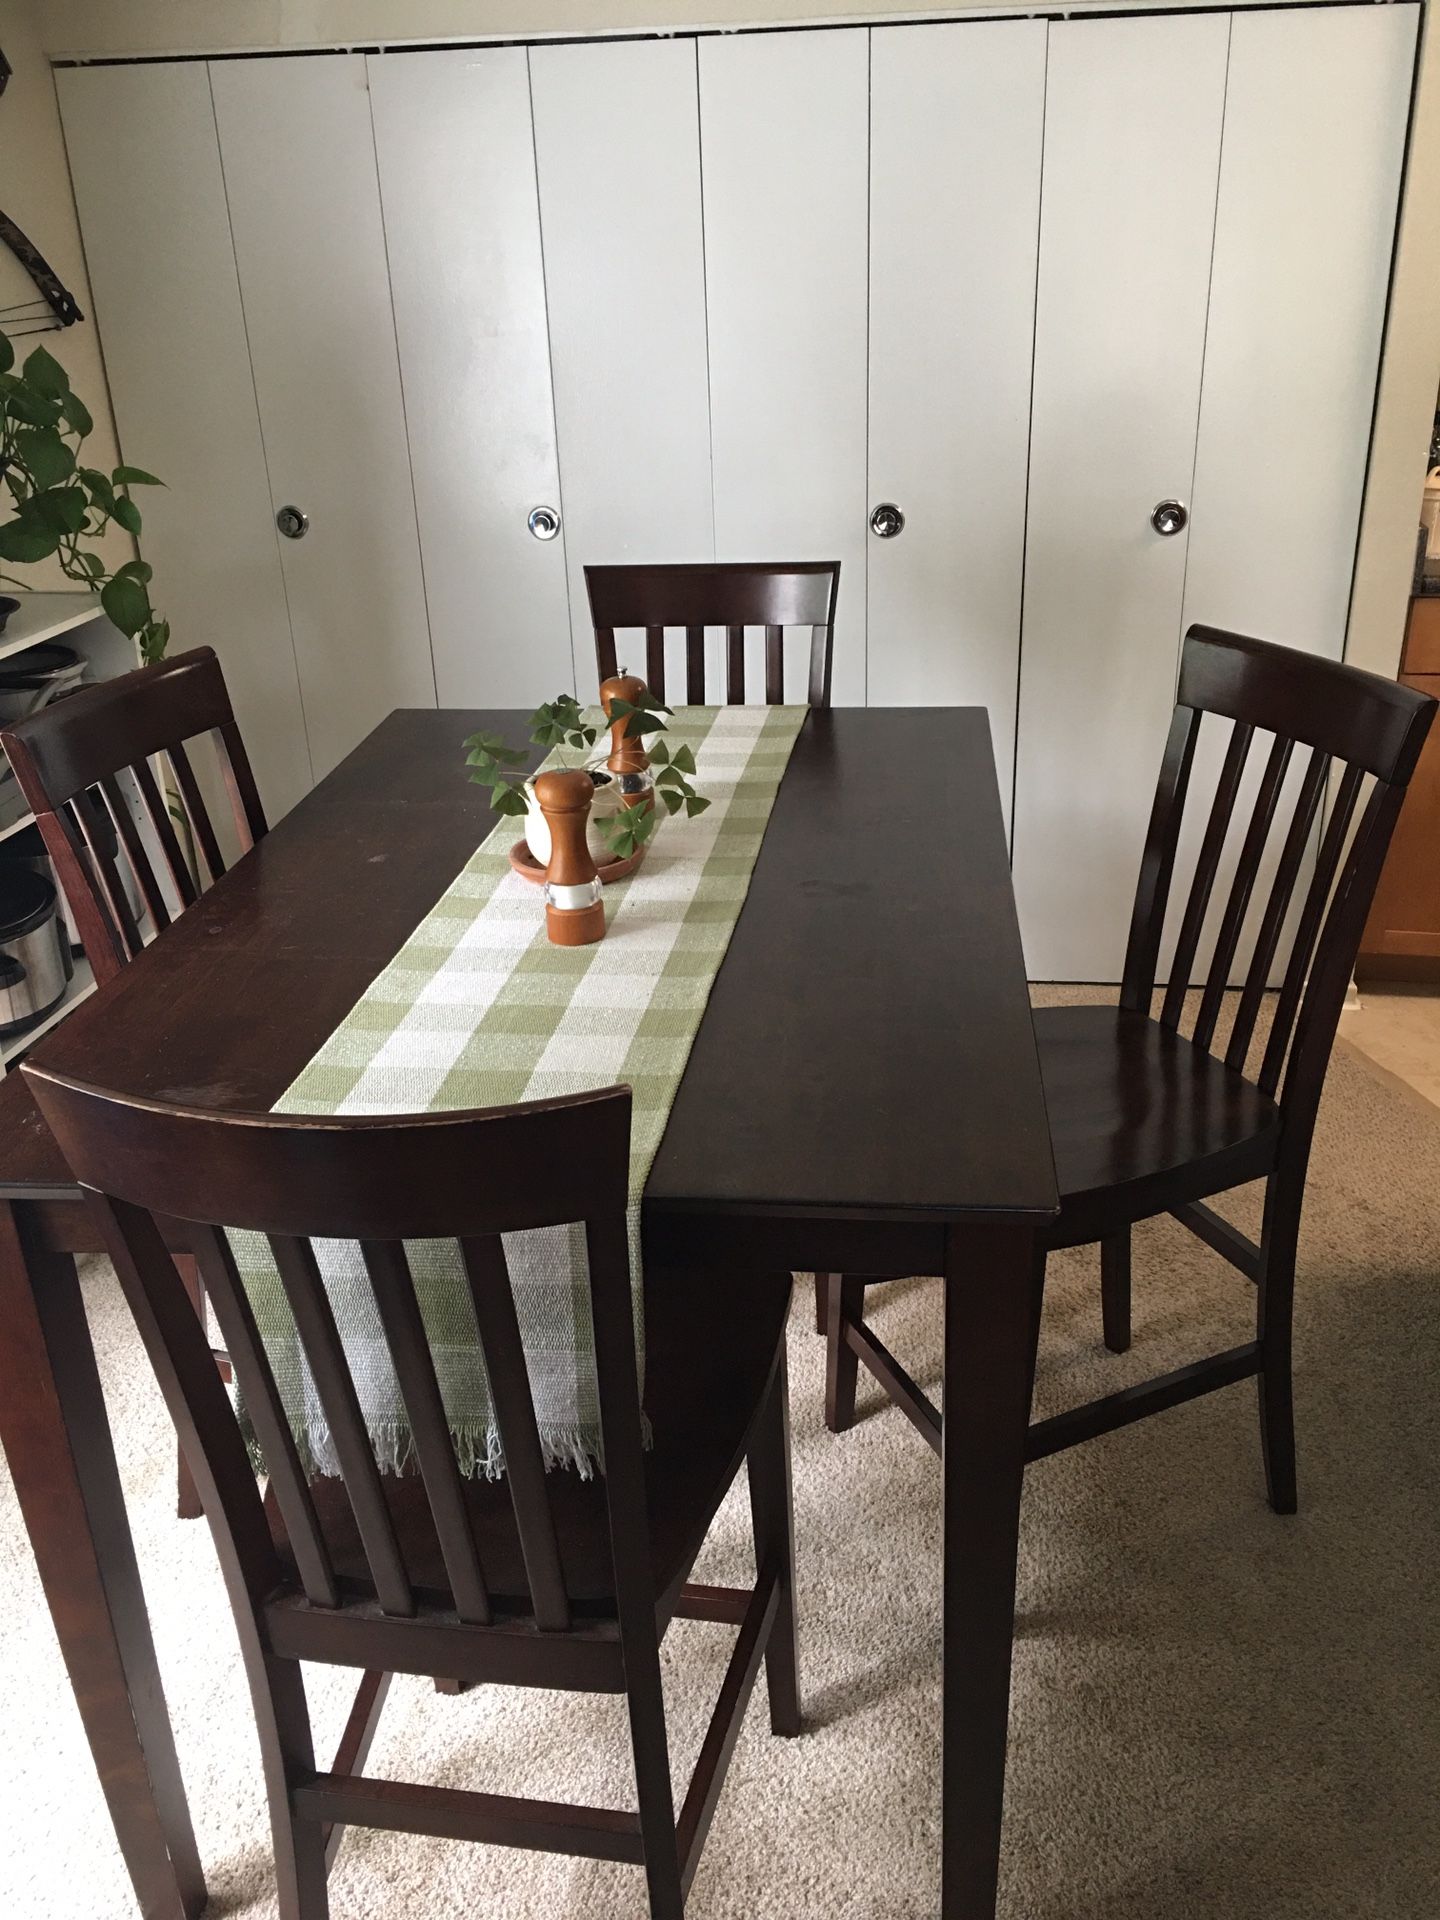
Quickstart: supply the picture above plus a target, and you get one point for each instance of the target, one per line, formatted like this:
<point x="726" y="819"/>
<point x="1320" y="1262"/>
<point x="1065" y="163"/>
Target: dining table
<point x="863" y="1097"/>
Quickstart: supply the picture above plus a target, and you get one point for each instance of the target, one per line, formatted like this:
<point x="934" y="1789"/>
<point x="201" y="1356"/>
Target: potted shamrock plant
<point x="642" y="768"/>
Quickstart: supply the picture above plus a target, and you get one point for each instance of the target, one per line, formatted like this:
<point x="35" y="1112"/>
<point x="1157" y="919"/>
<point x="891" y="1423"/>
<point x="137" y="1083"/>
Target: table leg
<point x="994" y="1279"/>
<point x="57" y="1440"/>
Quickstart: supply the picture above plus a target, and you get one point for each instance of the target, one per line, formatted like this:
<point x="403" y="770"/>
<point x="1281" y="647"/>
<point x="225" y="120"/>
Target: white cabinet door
<point x="956" y="132"/>
<point x="783" y="139"/>
<point x="299" y="159"/>
<point x="462" y="225"/>
<point x="1315" y="118"/>
<point x="1132" y="140"/>
<point x="617" y="144"/>
<point x="146" y="170"/>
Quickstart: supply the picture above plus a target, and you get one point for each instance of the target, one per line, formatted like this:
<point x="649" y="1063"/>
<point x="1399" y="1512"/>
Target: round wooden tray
<point x="529" y="868"/>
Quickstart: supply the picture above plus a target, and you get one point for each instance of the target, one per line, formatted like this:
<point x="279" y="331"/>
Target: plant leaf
<point x="44" y="456"/>
<point x="139" y="570"/>
<point x="35" y="409"/>
<point x="101" y="491"/>
<point x="673" y="800"/>
<point x="62" y="508"/>
<point x="7" y="354"/>
<point x="127" y="603"/>
<point x="26" y="544"/>
<point x="77" y="414"/>
<point x="46" y="375"/>
<point x="128" y="514"/>
<point x="695" y="803"/>
<point x="683" y="758"/>
<point x="154" y="639"/>
<point x="134" y="477"/>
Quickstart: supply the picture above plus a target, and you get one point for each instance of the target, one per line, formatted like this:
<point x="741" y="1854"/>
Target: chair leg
<point x="287" y="1754"/>
<point x="772" y="1511"/>
<point x="1115" y="1290"/>
<point x="1274" y="1331"/>
<point x="646" y="1702"/>
<point x="846" y="1303"/>
<point x="187" y="1499"/>
<point x="822" y="1301"/>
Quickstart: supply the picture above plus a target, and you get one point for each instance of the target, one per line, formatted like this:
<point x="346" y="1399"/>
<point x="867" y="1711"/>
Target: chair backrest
<point x="377" y="1182"/>
<point x="80" y="746"/>
<point x="733" y="596"/>
<point x="1362" y="732"/>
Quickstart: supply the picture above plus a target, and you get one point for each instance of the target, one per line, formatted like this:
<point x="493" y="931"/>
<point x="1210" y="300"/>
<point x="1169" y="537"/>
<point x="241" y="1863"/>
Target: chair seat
<point x="710" y="1345"/>
<point x="1142" y="1120"/>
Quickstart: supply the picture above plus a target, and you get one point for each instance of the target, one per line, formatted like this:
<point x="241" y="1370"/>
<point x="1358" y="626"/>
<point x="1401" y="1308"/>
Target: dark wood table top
<point x="866" y="1057"/>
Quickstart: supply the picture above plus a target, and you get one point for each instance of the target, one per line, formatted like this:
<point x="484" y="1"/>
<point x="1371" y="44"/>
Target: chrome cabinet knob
<point x="293" y="523"/>
<point x="1168" y="517"/>
<point x="886" y="521"/>
<point x="544" y="522"/>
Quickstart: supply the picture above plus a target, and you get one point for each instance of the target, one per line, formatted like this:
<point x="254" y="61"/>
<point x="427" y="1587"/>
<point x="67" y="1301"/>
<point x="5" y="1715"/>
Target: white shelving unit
<point x="76" y="620"/>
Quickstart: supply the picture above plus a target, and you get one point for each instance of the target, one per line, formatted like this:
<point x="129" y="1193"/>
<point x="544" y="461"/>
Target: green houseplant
<point x="58" y="506"/>
<point x="562" y="726"/>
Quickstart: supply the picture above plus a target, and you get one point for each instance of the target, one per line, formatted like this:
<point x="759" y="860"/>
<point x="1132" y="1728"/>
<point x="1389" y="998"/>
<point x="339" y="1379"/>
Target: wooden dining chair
<point x="536" y="1580"/>
<point x="777" y="596"/>
<point x="732" y="595"/>
<point x="1149" y="1118"/>
<point x="70" y="759"/>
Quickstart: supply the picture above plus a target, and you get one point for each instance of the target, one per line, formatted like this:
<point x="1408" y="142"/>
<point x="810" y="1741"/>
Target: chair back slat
<point x="400" y="1316"/>
<point x="240" y="789"/>
<point x="118" y="726"/>
<point x="822" y="660"/>
<point x="1307" y="931"/>
<point x="774" y="666"/>
<point x="267" y="1416"/>
<point x="695" y="665"/>
<point x="340" y="1403"/>
<point x="617" y="1380"/>
<point x="376" y="1183"/>
<point x="135" y="850"/>
<point x="775" y="597"/>
<point x="1242" y="887"/>
<point x="499" y="1330"/>
<point x="655" y="661"/>
<point x="106" y="872"/>
<point x="1157" y="863"/>
<point x="195" y="813"/>
<point x="194" y="1393"/>
<point x="1362" y="727"/>
<point x="1206" y="867"/>
<point x="734" y="666"/>
<point x="605" y="657"/>
<point x="162" y="826"/>
<point x="1277" y="906"/>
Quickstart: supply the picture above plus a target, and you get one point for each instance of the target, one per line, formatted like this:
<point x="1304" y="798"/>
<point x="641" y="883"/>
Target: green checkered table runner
<point x="478" y="1009"/>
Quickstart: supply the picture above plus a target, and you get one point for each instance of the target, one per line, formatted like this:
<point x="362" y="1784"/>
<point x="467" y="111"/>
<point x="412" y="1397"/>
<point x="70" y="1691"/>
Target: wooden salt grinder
<point x="627" y="751"/>
<point x="574" y="909"/>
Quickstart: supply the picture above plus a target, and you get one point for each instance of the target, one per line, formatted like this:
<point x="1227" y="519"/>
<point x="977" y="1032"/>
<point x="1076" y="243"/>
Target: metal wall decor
<point x="57" y="306"/>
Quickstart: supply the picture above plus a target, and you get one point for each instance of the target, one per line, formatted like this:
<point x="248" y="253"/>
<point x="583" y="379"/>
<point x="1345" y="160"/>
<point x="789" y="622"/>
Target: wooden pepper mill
<point x="574" y="907"/>
<point x="629" y="762"/>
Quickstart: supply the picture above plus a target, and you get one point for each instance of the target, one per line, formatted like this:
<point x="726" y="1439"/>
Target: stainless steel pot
<point x="27" y="849"/>
<point x="34" y="954"/>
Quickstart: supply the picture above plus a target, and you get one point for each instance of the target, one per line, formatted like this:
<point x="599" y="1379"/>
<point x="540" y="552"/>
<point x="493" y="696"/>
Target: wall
<point x="177" y="26"/>
<point x="1411" y="367"/>
<point x="35" y="192"/>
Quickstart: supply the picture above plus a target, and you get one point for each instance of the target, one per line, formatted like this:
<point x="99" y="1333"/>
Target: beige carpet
<point x="1216" y="1713"/>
